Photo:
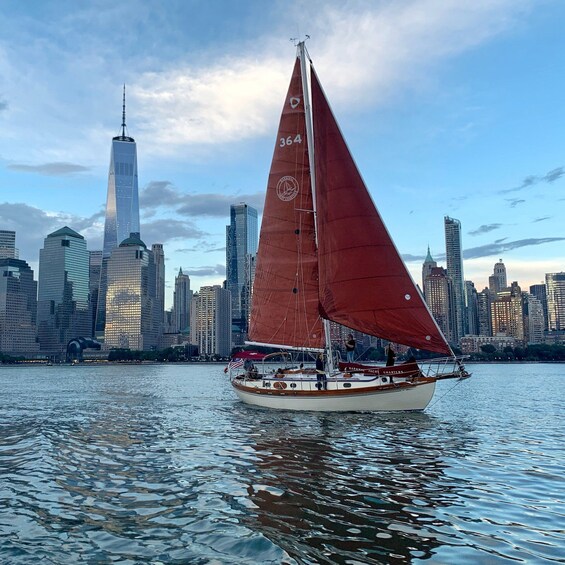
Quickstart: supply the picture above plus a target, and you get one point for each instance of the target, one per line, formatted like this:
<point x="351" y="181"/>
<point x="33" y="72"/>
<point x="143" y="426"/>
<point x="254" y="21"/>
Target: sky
<point x="449" y="108"/>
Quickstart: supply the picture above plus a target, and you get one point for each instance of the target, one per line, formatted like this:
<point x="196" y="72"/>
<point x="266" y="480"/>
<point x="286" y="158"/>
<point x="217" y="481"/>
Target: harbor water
<point x="162" y="464"/>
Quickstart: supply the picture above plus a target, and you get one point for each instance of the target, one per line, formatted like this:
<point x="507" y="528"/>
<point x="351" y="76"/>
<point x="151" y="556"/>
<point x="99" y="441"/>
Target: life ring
<point x="279" y="384"/>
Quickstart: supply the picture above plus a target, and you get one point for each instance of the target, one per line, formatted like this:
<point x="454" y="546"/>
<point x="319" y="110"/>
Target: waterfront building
<point x="555" y="288"/>
<point x="63" y="309"/>
<point x="472" y="313"/>
<point x="454" y="259"/>
<point x="182" y="298"/>
<point x="427" y="267"/>
<point x="497" y="281"/>
<point x="534" y="322"/>
<point x="159" y="261"/>
<point x="484" y="299"/>
<point x="241" y="249"/>
<point x="18" y="308"/>
<point x="131" y="297"/>
<point x="94" y="269"/>
<point x="211" y="321"/>
<point x="122" y="207"/>
<point x="440" y="297"/>
<point x="540" y="292"/>
<point x="507" y="313"/>
<point x="8" y="245"/>
<point x="473" y="343"/>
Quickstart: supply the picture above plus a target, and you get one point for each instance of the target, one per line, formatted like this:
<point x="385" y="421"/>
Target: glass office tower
<point x="8" y="244"/>
<point x="62" y="301"/>
<point x="18" y="307"/>
<point x="131" y="297"/>
<point x="122" y="208"/>
<point x="454" y="256"/>
<point x="241" y="249"/>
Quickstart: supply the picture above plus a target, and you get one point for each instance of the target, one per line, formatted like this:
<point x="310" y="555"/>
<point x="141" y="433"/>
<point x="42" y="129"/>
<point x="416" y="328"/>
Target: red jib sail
<point x="285" y="290"/>
<point x="364" y="283"/>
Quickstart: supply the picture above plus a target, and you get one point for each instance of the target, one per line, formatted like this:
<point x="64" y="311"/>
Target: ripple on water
<point x="162" y="464"/>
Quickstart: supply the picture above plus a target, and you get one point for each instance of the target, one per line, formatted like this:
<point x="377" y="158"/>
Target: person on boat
<point x="350" y="348"/>
<point x="321" y="373"/>
<point x="390" y="356"/>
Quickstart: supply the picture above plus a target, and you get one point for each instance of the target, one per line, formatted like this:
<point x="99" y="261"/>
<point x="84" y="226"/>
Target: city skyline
<point x="443" y="120"/>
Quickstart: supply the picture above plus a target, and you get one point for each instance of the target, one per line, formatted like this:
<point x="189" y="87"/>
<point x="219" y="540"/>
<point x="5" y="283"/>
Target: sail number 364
<point x="289" y="140"/>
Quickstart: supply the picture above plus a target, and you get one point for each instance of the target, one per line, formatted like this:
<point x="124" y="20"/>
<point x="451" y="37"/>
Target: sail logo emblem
<point x="287" y="188"/>
<point x="294" y="102"/>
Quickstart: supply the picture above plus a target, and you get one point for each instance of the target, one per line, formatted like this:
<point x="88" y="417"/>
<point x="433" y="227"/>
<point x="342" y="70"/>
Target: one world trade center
<point x="122" y="208"/>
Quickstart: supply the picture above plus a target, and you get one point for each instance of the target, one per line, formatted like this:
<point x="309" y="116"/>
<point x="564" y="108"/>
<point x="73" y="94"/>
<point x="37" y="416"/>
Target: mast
<point x="311" y="158"/>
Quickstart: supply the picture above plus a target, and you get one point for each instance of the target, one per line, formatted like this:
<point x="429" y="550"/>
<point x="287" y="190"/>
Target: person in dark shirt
<point x="350" y="348"/>
<point x="321" y="373"/>
<point x="390" y="356"/>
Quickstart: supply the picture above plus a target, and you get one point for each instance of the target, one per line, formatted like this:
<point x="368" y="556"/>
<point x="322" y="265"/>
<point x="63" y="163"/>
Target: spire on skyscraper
<point x="123" y="136"/>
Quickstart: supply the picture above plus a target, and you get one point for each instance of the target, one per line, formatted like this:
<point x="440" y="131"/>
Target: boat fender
<point x="279" y="385"/>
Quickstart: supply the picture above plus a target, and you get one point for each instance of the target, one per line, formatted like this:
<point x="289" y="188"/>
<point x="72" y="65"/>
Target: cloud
<point x="165" y="230"/>
<point x="3" y="105"/>
<point x="553" y="175"/>
<point x="514" y="202"/>
<point x="50" y="169"/>
<point x="201" y="247"/>
<point x="32" y="225"/>
<point x="217" y="270"/>
<point x="485" y="228"/>
<point x="532" y="180"/>
<point x="499" y="247"/>
<point x="164" y="195"/>
<point x="363" y="52"/>
<point x="541" y="219"/>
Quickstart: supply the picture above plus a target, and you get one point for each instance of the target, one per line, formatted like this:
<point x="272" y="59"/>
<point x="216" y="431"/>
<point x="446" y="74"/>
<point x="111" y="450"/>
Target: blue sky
<point x="449" y="107"/>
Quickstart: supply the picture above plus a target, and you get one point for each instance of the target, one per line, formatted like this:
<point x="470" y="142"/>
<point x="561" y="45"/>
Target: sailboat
<point x="326" y="256"/>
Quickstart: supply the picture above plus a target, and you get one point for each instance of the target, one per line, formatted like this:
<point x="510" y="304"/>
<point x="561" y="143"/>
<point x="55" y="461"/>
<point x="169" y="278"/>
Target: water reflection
<point x="353" y="488"/>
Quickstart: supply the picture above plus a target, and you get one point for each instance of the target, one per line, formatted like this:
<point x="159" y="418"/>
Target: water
<point x="161" y="464"/>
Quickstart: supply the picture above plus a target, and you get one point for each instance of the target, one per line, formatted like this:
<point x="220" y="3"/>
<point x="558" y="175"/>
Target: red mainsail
<point x="364" y="284"/>
<point x="285" y="290"/>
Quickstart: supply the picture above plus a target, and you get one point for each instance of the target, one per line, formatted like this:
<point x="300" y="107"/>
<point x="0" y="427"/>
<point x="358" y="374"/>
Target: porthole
<point x="346" y="385"/>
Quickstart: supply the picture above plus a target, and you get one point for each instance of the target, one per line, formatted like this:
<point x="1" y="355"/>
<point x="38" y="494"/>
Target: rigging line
<point x="445" y="393"/>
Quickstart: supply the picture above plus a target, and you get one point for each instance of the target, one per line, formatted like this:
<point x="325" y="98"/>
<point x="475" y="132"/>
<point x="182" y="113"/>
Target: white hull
<point x="369" y="399"/>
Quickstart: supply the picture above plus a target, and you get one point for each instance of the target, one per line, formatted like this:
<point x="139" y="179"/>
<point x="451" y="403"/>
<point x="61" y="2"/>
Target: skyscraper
<point x="438" y="289"/>
<point x="130" y="297"/>
<point x="210" y="321"/>
<point x="182" y="298"/>
<point x="241" y="248"/>
<point x="122" y="206"/>
<point x="472" y="313"/>
<point x="62" y="302"/>
<point x="497" y="281"/>
<point x="8" y="244"/>
<point x="159" y="261"/>
<point x="18" y="307"/>
<point x="540" y="292"/>
<point x="507" y="313"/>
<point x="484" y="300"/>
<point x="94" y="268"/>
<point x="534" y="322"/>
<point x="427" y="267"/>
<point x="454" y="259"/>
<point x="555" y="288"/>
